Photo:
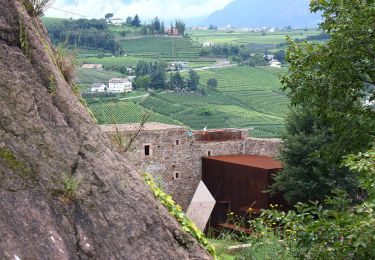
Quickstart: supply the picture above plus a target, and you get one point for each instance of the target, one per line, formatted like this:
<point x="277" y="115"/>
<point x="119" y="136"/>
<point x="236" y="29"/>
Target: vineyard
<point x="246" y="97"/>
<point x="161" y="47"/>
<point x="123" y="112"/>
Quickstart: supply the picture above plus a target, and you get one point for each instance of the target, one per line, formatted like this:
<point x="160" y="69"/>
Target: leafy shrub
<point x="335" y="229"/>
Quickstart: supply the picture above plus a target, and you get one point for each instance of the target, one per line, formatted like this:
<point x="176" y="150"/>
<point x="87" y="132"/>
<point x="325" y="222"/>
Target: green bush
<point x="336" y="229"/>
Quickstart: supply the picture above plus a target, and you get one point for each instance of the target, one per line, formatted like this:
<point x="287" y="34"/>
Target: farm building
<point x="119" y="85"/>
<point x="92" y="66"/>
<point x="172" y="31"/>
<point x="98" y="87"/>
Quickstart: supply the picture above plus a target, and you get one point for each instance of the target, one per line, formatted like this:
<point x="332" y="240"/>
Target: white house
<point x="208" y="44"/>
<point x="116" y="21"/>
<point x="98" y="87"/>
<point x="118" y="85"/>
<point x="92" y="66"/>
<point x="274" y="63"/>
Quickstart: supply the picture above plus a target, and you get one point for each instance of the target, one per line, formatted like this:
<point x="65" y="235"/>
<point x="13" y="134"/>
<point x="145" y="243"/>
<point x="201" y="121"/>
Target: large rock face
<point x="47" y="140"/>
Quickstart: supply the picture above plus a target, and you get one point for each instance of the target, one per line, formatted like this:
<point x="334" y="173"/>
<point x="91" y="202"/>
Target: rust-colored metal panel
<point x="239" y="180"/>
<point x="218" y="135"/>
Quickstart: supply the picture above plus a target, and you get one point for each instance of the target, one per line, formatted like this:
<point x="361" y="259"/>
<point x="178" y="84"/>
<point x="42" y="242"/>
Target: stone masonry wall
<point x="175" y="159"/>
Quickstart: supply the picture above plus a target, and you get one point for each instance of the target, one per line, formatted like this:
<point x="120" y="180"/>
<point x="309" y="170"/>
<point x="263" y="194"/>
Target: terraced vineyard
<point x="161" y="47"/>
<point x="124" y="112"/>
<point x="257" y="87"/>
<point x="246" y="98"/>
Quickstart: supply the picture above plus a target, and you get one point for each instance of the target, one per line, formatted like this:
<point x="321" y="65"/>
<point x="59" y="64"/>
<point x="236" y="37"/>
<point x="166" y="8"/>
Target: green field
<point x="124" y="112"/>
<point x="161" y="47"/>
<point x="248" y="38"/>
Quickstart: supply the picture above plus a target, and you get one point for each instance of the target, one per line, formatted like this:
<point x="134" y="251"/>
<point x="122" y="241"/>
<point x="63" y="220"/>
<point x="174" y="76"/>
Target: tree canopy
<point x="331" y="81"/>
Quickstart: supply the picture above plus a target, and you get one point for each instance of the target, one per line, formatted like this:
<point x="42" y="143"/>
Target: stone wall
<point x="175" y="159"/>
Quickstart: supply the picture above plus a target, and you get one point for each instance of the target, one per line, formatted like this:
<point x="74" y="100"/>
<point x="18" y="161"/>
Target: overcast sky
<point x="147" y="9"/>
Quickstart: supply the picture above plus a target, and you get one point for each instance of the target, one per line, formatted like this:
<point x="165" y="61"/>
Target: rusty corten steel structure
<point x="219" y="135"/>
<point x="238" y="183"/>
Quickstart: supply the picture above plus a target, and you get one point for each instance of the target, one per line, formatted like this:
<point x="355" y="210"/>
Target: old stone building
<point x="173" y="154"/>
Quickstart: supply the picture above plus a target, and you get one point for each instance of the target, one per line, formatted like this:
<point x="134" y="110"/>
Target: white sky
<point x="146" y="9"/>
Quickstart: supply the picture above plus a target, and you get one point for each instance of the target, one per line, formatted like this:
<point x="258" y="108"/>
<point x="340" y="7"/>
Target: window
<point x="209" y="153"/>
<point x="147" y="150"/>
<point x="176" y="176"/>
<point x="177" y="142"/>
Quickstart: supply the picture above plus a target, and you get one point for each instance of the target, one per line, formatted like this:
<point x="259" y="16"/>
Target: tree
<point x="162" y="28"/>
<point x="331" y="80"/>
<point x="136" y="22"/>
<point x="108" y="16"/>
<point x="143" y="82"/>
<point x="123" y="33"/>
<point x="307" y="175"/>
<point x="156" y="25"/>
<point x="176" y="81"/>
<point x="129" y="21"/>
<point x="193" y="80"/>
<point x="212" y="83"/>
<point x="180" y="26"/>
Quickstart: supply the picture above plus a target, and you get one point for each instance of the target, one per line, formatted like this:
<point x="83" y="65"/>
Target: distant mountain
<point x="259" y="13"/>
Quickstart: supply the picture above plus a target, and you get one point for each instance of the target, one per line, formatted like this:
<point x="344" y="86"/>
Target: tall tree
<point x="193" y="81"/>
<point x="331" y="81"/>
<point x="156" y="25"/>
<point x="108" y="16"/>
<point x="176" y="81"/>
<point x="129" y="21"/>
<point x="180" y="26"/>
<point x="136" y="22"/>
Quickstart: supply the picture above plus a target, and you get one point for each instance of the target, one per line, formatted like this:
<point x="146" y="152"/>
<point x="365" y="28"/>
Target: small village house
<point x="116" y="21"/>
<point x="120" y="85"/>
<point x="208" y="44"/>
<point x="92" y="66"/>
<point x="172" y="31"/>
<point x="98" y="87"/>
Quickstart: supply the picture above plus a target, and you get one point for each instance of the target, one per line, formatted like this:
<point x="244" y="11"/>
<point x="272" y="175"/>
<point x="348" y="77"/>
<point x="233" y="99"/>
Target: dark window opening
<point x="147" y="150"/>
<point x="176" y="175"/>
<point x="209" y="153"/>
<point x="177" y="142"/>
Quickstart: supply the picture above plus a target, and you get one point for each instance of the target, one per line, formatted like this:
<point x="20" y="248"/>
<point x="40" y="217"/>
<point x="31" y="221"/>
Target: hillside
<point x="272" y="13"/>
<point x="65" y="192"/>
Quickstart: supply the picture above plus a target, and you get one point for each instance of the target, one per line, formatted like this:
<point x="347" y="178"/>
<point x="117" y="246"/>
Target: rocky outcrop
<point x="64" y="193"/>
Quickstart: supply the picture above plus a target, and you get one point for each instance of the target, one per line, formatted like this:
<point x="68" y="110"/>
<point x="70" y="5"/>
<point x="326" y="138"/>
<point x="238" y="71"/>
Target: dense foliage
<point x="334" y="229"/>
<point x="330" y="82"/>
<point x="85" y="34"/>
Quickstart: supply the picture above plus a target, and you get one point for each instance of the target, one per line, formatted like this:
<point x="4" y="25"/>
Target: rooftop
<point x="118" y="80"/>
<point x="262" y="162"/>
<point x="133" y="127"/>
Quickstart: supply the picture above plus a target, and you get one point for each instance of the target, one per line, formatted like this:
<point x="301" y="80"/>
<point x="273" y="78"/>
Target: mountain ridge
<point x="267" y="13"/>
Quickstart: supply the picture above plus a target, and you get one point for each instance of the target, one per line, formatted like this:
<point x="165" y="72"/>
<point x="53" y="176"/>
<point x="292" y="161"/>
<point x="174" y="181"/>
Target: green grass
<point x="248" y="38"/>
